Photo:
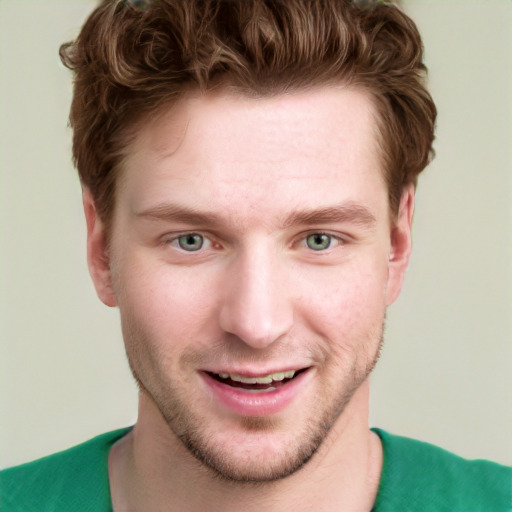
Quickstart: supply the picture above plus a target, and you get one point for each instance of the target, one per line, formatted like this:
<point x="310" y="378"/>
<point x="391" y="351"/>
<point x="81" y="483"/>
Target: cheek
<point x="168" y="303"/>
<point x="163" y="312"/>
<point x="348" y="305"/>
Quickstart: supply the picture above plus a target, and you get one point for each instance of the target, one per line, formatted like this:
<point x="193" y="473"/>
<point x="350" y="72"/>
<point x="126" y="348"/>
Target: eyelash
<point x="176" y="238"/>
<point x="332" y="239"/>
<point x="174" y="241"/>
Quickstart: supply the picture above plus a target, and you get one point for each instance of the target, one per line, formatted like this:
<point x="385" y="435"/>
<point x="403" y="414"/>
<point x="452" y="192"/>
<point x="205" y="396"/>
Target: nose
<point x="257" y="307"/>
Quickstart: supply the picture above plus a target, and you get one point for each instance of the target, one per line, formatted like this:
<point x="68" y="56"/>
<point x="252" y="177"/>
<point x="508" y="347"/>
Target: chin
<point x="261" y="457"/>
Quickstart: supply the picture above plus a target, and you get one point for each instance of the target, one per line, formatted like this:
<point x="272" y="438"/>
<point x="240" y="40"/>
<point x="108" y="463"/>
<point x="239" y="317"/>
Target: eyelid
<point x="172" y="239"/>
<point x="336" y="236"/>
<point x="209" y="239"/>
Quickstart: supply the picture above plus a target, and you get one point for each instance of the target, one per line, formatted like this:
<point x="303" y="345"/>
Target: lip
<point x="247" y="403"/>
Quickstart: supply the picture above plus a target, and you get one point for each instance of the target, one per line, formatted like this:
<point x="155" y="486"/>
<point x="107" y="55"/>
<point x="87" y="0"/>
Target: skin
<point x="275" y="179"/>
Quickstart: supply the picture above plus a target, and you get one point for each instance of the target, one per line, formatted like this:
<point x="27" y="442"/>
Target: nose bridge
<point x="257" y="307"/>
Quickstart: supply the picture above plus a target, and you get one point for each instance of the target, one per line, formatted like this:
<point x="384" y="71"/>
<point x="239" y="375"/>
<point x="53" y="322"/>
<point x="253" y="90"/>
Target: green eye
<point x="319" y="241"/>
<point x="190" y="242"/>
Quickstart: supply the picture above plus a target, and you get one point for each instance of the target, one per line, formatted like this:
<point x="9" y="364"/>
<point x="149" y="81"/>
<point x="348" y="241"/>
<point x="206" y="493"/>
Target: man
<point x="249" y="172"/>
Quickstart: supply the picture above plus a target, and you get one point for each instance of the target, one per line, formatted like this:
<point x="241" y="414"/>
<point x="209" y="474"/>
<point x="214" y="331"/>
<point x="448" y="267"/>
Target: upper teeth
<point x="266" y="379"/>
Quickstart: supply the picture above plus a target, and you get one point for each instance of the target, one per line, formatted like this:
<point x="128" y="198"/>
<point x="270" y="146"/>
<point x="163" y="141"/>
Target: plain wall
<point x="446" y="371"/>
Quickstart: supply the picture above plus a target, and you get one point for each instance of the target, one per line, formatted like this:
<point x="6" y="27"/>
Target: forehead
<point x="294" y="147"/>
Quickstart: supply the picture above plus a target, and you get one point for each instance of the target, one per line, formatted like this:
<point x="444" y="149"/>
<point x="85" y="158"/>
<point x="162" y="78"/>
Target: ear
<point x="97" y="252"/>
<point x="401" y="245"/>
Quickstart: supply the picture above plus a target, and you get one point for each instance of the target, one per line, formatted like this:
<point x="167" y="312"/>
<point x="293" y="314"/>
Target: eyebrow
<point x="177" y="213"/>
<point x="350" y="213"/>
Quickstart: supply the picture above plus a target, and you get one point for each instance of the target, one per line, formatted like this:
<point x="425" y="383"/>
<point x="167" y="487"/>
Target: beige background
<point x="446" y="372"/>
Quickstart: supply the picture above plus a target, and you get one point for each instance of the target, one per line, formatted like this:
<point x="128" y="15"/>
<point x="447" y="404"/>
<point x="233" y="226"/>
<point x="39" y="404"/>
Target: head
<point x="249" y="172"/>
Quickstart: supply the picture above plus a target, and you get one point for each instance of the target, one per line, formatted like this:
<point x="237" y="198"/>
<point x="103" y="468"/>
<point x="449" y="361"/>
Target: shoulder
<point x="75" y="479"/>
<point x="421" y="477"/>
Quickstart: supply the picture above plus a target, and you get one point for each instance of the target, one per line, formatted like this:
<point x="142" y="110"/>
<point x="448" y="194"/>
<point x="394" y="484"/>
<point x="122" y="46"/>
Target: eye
<point x="190" y="242"/>
<point x="320" y="241"/>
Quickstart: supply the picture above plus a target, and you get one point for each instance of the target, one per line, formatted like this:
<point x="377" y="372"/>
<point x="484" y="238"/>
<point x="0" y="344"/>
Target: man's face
<point x="252" y="259"/>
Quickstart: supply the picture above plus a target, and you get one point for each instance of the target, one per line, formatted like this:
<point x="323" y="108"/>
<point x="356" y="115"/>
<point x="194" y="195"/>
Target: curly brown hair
<point x="133" y="57"/>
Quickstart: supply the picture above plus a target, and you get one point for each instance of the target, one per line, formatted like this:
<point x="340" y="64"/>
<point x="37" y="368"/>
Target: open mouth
<point x="268" y="382"/>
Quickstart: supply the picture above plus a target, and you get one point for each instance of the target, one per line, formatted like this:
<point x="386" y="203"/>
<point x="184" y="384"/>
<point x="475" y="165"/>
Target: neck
<point x="151" y="470"/>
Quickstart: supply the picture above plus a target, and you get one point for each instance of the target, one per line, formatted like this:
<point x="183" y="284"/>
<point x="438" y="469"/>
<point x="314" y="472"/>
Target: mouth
<point x="261" y="384"/>
<point x="247" y="394"/>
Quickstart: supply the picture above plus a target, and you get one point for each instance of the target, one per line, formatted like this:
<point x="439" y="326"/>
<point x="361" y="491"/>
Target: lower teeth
<point x="259" y="390"/>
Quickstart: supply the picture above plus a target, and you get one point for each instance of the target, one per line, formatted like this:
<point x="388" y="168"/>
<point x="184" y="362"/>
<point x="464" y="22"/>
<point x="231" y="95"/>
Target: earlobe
<point x="401" y="245"/>
<point x="97" y="252"/>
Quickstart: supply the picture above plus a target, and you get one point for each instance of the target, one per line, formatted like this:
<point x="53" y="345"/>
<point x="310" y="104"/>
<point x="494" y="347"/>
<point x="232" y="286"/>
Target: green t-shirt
<point x="416" y="477"/>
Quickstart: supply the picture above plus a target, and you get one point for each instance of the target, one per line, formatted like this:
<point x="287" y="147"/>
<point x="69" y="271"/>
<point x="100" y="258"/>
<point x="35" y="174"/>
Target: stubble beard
<point x="192" y="431"/>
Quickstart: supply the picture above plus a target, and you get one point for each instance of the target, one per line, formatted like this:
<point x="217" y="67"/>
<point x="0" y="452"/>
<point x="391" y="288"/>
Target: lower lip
<point x="263" y="403"/>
